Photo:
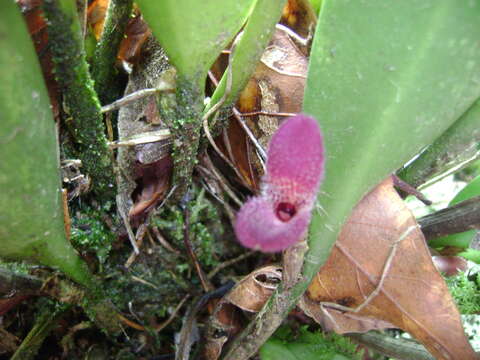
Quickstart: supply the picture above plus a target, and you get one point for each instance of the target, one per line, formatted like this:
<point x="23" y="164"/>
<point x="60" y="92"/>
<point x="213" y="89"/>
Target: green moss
<point x="206" y="229"/>
<point x="465" y="292"/>
<point x="90" y="234"/>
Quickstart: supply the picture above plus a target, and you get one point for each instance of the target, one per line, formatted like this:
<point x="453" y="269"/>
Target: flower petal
<point x="295" y="157"/>
<point x="258" y="227"/>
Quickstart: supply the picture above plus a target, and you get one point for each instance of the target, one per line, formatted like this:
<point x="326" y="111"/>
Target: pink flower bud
<point x="279" y="217"/>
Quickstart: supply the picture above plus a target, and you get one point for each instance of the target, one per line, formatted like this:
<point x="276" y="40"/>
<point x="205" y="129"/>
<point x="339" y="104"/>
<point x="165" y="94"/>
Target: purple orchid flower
<point x="279" y="216"/>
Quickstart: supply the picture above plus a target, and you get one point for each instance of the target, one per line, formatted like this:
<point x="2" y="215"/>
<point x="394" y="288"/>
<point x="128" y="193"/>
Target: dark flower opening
<point x="285" y="211"/>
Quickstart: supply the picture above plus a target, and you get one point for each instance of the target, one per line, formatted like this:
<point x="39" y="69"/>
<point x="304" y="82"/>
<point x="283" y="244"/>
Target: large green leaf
<point x="386" y="78"/>
<point x="192" y="32"/>
<point x="31" y="218"/>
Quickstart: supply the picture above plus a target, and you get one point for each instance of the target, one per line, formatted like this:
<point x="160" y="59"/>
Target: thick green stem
<point x="104" y="72"/>
<point x="81" y="102"/>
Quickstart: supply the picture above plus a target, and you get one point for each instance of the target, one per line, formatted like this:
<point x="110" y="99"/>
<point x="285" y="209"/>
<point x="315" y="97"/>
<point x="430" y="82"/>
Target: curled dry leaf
<point x="249" y="295"/>
<point x="136" y="33"/>
<point x="413" y="296"/>
<point x="276" y="87"/>
<point x="253" y="291"/>
<point x="96" y="12"/>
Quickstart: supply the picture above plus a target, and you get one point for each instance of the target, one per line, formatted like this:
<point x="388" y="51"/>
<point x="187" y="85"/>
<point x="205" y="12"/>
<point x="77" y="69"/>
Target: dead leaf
<point x="274" y="92"/>
<point x="413" y="297"/>
<point x="299" y="16"/>
<point x="96" y="16"/>
<point x="249" y="295"/>
<point x="136" y="33"/>
<point x="450" y="265"/>
<point x="153" y="180"/>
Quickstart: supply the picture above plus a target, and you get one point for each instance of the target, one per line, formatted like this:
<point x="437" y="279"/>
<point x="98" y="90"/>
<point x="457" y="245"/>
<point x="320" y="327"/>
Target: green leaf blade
<point x="31" y="217"/>
<point x="385" y="80"/>
<point x="193" y="33"/>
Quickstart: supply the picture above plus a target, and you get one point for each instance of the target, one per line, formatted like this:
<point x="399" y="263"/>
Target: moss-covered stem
<point x="46" y="321"/>
<point x="185" y="129"/>
<point x="104" y="72"/>
<point x="80" y="99"/>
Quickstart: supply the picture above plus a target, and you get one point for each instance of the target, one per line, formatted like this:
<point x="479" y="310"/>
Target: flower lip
<point x="285" y="211"/>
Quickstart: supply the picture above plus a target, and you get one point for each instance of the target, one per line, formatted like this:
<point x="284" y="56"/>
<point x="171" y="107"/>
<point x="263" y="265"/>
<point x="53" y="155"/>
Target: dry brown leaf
<point x="96" y="16"/>
<point x="275" y="88"/>
<point x="450" y="265"/>
<point x="414" y="297"/>
<point x="136" y="33"/>
<point x="299" y="16"/>
<point x="249" y="295"/>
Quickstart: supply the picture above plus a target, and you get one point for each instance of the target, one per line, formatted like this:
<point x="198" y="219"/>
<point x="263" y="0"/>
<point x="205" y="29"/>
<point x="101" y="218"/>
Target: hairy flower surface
<point x="279" y="216"/>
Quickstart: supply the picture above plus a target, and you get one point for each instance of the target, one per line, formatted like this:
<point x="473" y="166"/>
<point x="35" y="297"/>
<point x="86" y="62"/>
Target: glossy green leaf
<point x="461" y="240"/>
<point x="193" y="33"/>
<point x="31" y="217"/>
<point x="386" y="78"/>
